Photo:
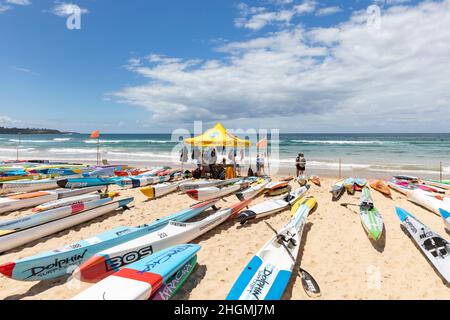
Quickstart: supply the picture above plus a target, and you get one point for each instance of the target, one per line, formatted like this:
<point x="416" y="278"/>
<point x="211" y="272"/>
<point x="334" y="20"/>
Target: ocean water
<point x="389" y="153"/>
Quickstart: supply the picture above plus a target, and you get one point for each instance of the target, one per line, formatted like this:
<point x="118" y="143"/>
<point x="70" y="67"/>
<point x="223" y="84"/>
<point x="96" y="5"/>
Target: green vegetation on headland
<point x="4" y="130"/>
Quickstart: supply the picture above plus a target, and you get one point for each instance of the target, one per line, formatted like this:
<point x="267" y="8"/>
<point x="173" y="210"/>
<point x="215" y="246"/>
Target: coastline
<point x="334" y="249"/>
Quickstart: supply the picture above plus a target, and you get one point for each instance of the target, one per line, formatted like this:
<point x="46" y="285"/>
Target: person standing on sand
<point x="261" y="164"/>
<point x="300" y="164"/>
<point x="258" y="165"/>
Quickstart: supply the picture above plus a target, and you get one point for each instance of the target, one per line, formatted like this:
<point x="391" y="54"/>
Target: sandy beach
<point x="335" y="250"/>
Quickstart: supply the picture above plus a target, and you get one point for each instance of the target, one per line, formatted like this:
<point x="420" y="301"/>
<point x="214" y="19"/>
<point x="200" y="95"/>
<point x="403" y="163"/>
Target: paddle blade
<point x="309" y="284"/>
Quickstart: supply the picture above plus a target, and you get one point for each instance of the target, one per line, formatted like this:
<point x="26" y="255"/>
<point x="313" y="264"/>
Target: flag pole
<point x="17" y="149"/>
<point x="98" y="150"/>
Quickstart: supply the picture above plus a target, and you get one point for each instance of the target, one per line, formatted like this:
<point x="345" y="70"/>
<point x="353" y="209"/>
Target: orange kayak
<point x="380" y="186"/>
<point x="315" y="180"/>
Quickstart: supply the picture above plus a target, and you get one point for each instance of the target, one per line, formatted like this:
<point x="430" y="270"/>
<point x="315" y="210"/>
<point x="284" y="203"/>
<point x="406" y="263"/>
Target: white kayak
<point x="436" y="184"/>
<point x="428" y="200"/>
<point x="31" y="186"/>
<point x="84" y="198"/>
<point x="110" y="260"/>
<point x="432" y="245"/>
<point x="273" y="185"/>
<point x="272" y="206"/>
<point x="209" y="193"/>
<point x="337" y="190"/>
<point x="398" y="188"/>
<point x="19" y="238"/>
<point x="29" y="221"/>
<point x="159" y="190"/>
<point x="28" y="200"/>
<point x="196" y="184"/>
<point x="252" y="191"/>
<point x="267" y="275"/>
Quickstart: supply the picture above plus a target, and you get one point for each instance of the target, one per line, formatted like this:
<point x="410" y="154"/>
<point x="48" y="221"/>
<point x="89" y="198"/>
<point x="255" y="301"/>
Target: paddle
<point x="349" y="204"/>
<point x="309" y="284"/>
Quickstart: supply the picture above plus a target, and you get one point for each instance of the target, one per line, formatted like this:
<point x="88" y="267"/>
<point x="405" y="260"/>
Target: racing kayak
<point x="399" y="188"/>
<point x="315" y="180"/>
<point x="27" y="200"/>
<point x="252" y="191"/>
<point x="302" y="180"/>
<point x="407" y="178"/>
<point x="13" y="240"/>
<point x="350" y="185"/>
<point x="423" y="187"/>
<point x="81" y="199"/>
<point x="56" y="263"/>
<point x="22" y="223"/>
<point x="85" y="182"/>
<point x="208" y="193"/>
<point x="171" y="287"/>
<point x="371" y="219"/>
<point x="272" y="206"/>
<point x="381" y="187"/>
<point x="435" y="183"/>
<point x="360" y="184"/>
<point x="159" y="190"/>
<point x="274" y="185"/>
<point x="268" y="273"/>
<point x="143" y="278"/>
<point x="30" y="186"/>
<point x="136" y="182"/>
<point x="433" y="246"/>
<point x="337" y="190"/>
<point x="428" y="200"/>
<point x="108" y="261"/>
<point x="279" y="191"/>
<point x="197" y="184"/>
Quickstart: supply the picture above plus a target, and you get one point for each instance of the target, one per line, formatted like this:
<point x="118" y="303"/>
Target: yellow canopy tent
<point x="217" y="137"/>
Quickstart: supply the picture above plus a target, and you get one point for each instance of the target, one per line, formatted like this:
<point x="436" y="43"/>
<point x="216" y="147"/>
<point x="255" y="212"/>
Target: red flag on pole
<point x="95" y="134"/>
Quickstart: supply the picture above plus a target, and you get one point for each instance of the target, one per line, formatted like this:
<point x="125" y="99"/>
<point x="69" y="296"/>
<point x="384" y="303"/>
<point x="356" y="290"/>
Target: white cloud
<point x="25" y="70"/>
<point x="66" y="9"/>
<point x="391" y="2"/>
<point x="307" y="6"/>
<point x="350" y="75"/>
<point x="8" y="121"/>
<point x="19" y="2"/>
<point x="4" y="8"/>
<point x="256" y="18"/>
<point x="328" y="10"/>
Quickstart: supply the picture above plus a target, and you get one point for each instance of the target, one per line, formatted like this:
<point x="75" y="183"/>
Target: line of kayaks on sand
<point x="121" y="256"/>
<point x="152" y="261"/>
<point x="428" y="194"/>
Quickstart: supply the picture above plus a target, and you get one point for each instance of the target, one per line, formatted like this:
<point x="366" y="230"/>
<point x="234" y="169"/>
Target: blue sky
<point x="151" y="66"/>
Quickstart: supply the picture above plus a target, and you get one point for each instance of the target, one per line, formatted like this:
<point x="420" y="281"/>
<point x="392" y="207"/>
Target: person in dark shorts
<point x="300" y="164"/>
